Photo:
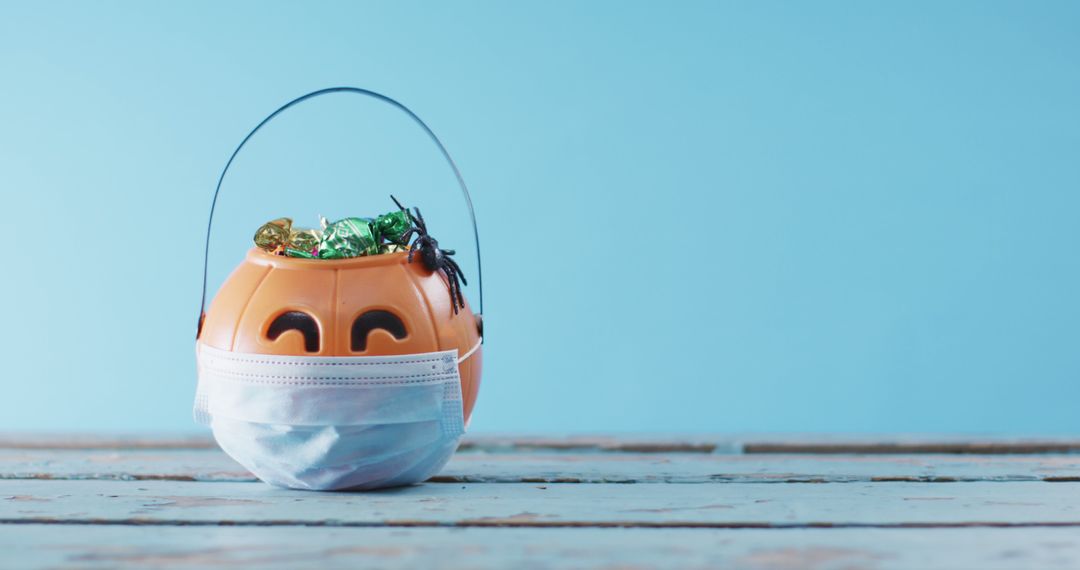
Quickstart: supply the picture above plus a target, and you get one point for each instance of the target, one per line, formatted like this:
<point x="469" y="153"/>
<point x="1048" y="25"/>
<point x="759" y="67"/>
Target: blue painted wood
<point x="198" y="548"/>
<point x="176" y="502"/>
<point x="569" y="467"/>
<point x="904" y="444"/>
<point x="517" y="504"/>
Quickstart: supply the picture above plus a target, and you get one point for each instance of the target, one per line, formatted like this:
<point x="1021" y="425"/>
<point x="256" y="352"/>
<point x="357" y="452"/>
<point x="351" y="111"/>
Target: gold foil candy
<point x="303" y="243"/>
<point x="273" y="234"/>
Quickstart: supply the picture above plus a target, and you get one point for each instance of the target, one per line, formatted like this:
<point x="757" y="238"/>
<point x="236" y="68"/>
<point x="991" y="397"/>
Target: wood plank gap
<point x="628" y="447"/>
<point x="701" y="445"/>
<point x="511" y="523"/>
<point x="571" y="468"/>
<point x="736" y="479"/>
<point x="474" y="480"/>
<point x="152" y="445"/>
<point x="914" y="448"/>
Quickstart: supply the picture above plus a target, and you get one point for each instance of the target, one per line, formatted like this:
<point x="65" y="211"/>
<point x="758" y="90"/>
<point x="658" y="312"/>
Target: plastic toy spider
<point x="432" y="257"/>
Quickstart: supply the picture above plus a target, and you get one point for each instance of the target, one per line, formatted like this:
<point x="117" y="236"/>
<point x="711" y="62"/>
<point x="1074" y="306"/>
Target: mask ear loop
<point x="379" y="97"/>
<point x="471" y="351"/>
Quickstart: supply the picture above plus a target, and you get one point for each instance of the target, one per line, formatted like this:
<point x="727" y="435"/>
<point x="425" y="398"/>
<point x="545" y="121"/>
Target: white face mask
<point x="326" y="423"/>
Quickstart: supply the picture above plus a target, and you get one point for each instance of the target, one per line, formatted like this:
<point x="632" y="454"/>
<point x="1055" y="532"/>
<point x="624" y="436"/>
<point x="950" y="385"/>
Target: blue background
<point x="829" y="216"/>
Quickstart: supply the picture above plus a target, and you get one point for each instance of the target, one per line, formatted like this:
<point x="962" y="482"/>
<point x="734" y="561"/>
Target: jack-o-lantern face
<point x="363" y="306"/>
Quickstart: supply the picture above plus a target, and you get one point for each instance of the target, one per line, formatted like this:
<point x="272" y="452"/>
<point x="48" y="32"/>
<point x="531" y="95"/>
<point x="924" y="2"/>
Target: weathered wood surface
<point x="746" y="501"/>
<point x="101" y="547"/>
<point x="570" y="467"/>
<point x="784" y="443"/>
<point x="743" y="443"/>
<point x="515" y="504"/>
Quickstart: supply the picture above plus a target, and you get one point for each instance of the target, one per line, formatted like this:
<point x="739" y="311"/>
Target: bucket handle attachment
<point x="379" y="97"/>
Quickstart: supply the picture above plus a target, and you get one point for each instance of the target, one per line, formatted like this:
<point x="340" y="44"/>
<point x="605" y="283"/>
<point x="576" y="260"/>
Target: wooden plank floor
<point x="759" y="502"/>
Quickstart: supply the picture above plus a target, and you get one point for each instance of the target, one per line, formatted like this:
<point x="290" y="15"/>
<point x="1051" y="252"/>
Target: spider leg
<point x="457" y="269"/>
<point x="451" y="285"/>
<point x="460" y="295"/>
<point x="418" y="220"/>
<point x="400" y="207"/>
<point x="460" y="300"/>
<point x="413" y="247"/>
<point x="455" y="273"/>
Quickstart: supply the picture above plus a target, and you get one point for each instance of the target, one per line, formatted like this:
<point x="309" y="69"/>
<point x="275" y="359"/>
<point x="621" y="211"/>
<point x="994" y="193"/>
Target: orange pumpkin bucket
<point x="363" y="306"/>
<point x="339" y="373"/>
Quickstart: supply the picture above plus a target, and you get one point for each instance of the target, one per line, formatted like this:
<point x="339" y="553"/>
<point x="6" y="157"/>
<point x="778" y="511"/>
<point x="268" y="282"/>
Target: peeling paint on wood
<point x="956" y="447"/>
<point x="587" y="501"/>
<point x="750" y="504"/>
<point x="678" y="444"/>
<point x="520" y="467"/>
<point x="34" y="546"/>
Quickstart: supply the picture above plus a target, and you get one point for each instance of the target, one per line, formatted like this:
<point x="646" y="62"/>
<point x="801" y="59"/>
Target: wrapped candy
<point x="390" y="227"/>
<point x="345" y="238"/>
<point x="349" y="237"/>
<point x="303" y="243"/>
<point x="272" y="235"/>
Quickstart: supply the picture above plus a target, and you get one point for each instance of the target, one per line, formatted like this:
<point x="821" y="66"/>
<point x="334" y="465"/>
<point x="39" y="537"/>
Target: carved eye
<point x="376" y="319"/>
<point x="296" y="320"/>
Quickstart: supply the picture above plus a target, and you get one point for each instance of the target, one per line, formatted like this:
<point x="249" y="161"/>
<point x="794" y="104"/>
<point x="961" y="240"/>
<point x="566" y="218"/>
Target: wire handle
<point x="373" y="95"/>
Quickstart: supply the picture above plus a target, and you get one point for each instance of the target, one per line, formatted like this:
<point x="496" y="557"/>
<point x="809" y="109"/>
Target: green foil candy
<point x="349" y="237"/>
<point x="392" y="248"/>
<point x="392" y="226"/>
<point x="272" y="235"/>
<point x="303" y="243"/>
